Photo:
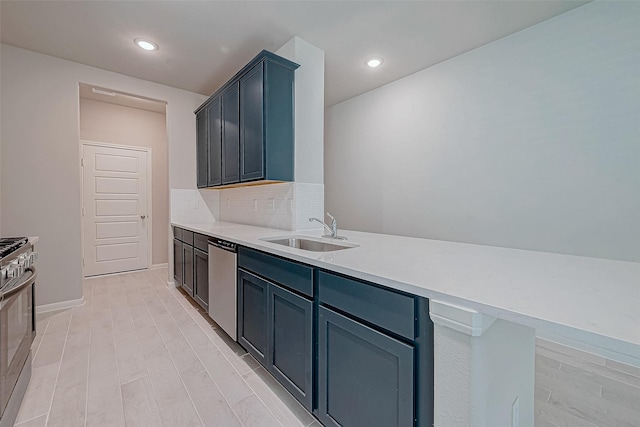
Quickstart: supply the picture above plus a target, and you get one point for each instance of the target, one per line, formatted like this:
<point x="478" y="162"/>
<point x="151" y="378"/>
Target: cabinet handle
<point x="143" y="216"/>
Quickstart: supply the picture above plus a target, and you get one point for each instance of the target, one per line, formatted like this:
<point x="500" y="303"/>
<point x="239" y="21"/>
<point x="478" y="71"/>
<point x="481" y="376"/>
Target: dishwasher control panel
<point x="223" y="244"/>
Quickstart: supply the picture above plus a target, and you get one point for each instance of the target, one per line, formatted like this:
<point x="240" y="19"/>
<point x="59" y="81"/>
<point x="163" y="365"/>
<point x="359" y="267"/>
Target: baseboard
<point x="159" y="266"/>
<point x="45" y="308"/>
<point x="171" y="284"/>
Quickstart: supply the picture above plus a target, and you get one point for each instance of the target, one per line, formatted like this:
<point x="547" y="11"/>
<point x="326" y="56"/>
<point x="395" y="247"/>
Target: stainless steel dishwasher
<point x="223" y="265"/>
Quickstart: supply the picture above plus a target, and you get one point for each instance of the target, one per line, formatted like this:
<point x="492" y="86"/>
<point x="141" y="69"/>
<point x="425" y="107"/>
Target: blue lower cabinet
<point x="201" y="278"/>
<point x="252" y="315"/>
<point x="187" y="273"/>
<point x="365" y="377"/>
<point x="290" y="332"/>
<point x="354" y="353"/>
<point x="191" y="264"/>
<point x="275" y="326"/>
<point x="178" y="265"/>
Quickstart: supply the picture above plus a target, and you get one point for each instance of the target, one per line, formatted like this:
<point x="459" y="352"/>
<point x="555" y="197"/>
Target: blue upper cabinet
<point x="230" y="135"/>
<point x="202" y="148"/>
<point x="214" y="143"/>
<point x="251" y="124"/>
<point x="252" y="128"/>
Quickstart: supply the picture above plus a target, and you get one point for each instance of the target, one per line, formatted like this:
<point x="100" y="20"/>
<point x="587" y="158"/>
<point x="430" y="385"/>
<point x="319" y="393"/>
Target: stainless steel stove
<point x="17" y="323"/>
<point x="10" y="244"/>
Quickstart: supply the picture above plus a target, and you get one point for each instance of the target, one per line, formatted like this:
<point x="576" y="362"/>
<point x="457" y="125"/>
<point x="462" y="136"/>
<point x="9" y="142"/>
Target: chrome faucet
<point x="333" y="229"/>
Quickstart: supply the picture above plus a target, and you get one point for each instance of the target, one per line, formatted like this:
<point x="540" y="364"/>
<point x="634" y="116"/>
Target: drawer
<point x="201" y="242"/>
<point x="187" y="237"/>
<point x="177" y="233"/>
<point x="385" y="308"/>
<point x="293" y="275"/>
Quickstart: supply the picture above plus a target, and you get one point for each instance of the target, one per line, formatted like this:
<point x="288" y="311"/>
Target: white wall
<point x="528" y="142"/>
<point x="1" y="149"/>
<point x="117" y="124"/>
<point x="40" y="156"/>
<point x="309" y="109"/>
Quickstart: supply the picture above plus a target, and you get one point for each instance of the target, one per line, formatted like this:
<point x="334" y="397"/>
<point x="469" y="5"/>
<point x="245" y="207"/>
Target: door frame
<point x="84" y="143"/>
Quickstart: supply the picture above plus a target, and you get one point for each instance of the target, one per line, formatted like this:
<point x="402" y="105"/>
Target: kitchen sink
<point x="309" y="243"/>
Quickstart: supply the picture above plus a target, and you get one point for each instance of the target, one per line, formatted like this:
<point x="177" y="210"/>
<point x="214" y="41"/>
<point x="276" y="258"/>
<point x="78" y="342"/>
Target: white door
<point x="115" y="217"/>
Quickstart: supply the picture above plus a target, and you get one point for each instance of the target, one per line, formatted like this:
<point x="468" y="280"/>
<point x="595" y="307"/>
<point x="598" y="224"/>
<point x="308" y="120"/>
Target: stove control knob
<point x="17" y="268"/>
<point x="11" y="271"/>
<point x="33" y="256"/>
<point x="24" y="260"/>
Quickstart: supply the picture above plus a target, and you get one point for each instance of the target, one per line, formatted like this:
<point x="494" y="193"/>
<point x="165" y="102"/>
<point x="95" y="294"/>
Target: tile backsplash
<point x="308" y="202"/>
<point x="195" y="206"/>
<point x="287" y="206"/>
<point x="263" y="205"/>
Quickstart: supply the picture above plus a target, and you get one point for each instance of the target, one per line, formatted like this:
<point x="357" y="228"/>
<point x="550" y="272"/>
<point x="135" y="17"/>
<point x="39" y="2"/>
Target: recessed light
<point x="146" y="44"/>
<point x="374" y="62"/>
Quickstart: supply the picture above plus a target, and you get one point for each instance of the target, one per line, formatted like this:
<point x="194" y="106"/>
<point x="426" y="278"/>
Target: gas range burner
<point x="10" y="244"/>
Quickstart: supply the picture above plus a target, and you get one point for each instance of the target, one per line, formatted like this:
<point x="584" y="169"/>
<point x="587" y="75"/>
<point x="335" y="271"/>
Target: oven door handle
<point x="28" y="278"/>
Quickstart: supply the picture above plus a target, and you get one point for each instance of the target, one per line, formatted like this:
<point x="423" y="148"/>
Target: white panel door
<point x="115" y="213"/>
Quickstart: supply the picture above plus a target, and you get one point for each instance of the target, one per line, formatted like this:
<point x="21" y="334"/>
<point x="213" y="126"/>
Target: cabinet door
<point x="365" y="378"/>
<point x="214" y="113"/>
<point x="252" y="314"/>
<point x="201" y="278"/>
<point x="231" y="135"/>
<point x="201" y="148"/>
<point x="290" y="342"/>
<point x="187" y="274"/>
<point x="252" y="125"/>
<point x="177" y="262"/>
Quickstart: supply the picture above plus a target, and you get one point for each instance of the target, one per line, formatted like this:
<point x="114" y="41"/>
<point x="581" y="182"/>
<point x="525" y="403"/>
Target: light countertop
<point x="591" y="301"/>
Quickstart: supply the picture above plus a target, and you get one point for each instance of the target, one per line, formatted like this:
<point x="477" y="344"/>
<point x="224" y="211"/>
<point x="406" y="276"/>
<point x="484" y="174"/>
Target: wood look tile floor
<point x="138" y="353"/>
<point x="574" y="388"/>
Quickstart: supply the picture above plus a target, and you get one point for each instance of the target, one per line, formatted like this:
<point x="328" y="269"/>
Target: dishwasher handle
<point x="223" y="244"/>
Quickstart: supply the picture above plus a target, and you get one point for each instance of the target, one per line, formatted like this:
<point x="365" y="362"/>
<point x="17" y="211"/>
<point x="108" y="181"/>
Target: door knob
<point x="143" y="216"/>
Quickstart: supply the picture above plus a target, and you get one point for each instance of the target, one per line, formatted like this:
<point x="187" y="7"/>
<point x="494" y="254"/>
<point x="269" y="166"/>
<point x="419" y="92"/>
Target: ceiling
<point x="203" y="43"/>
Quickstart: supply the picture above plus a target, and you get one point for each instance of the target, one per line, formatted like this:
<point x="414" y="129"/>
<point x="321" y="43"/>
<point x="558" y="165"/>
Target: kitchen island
<point x="587" y="302"/>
